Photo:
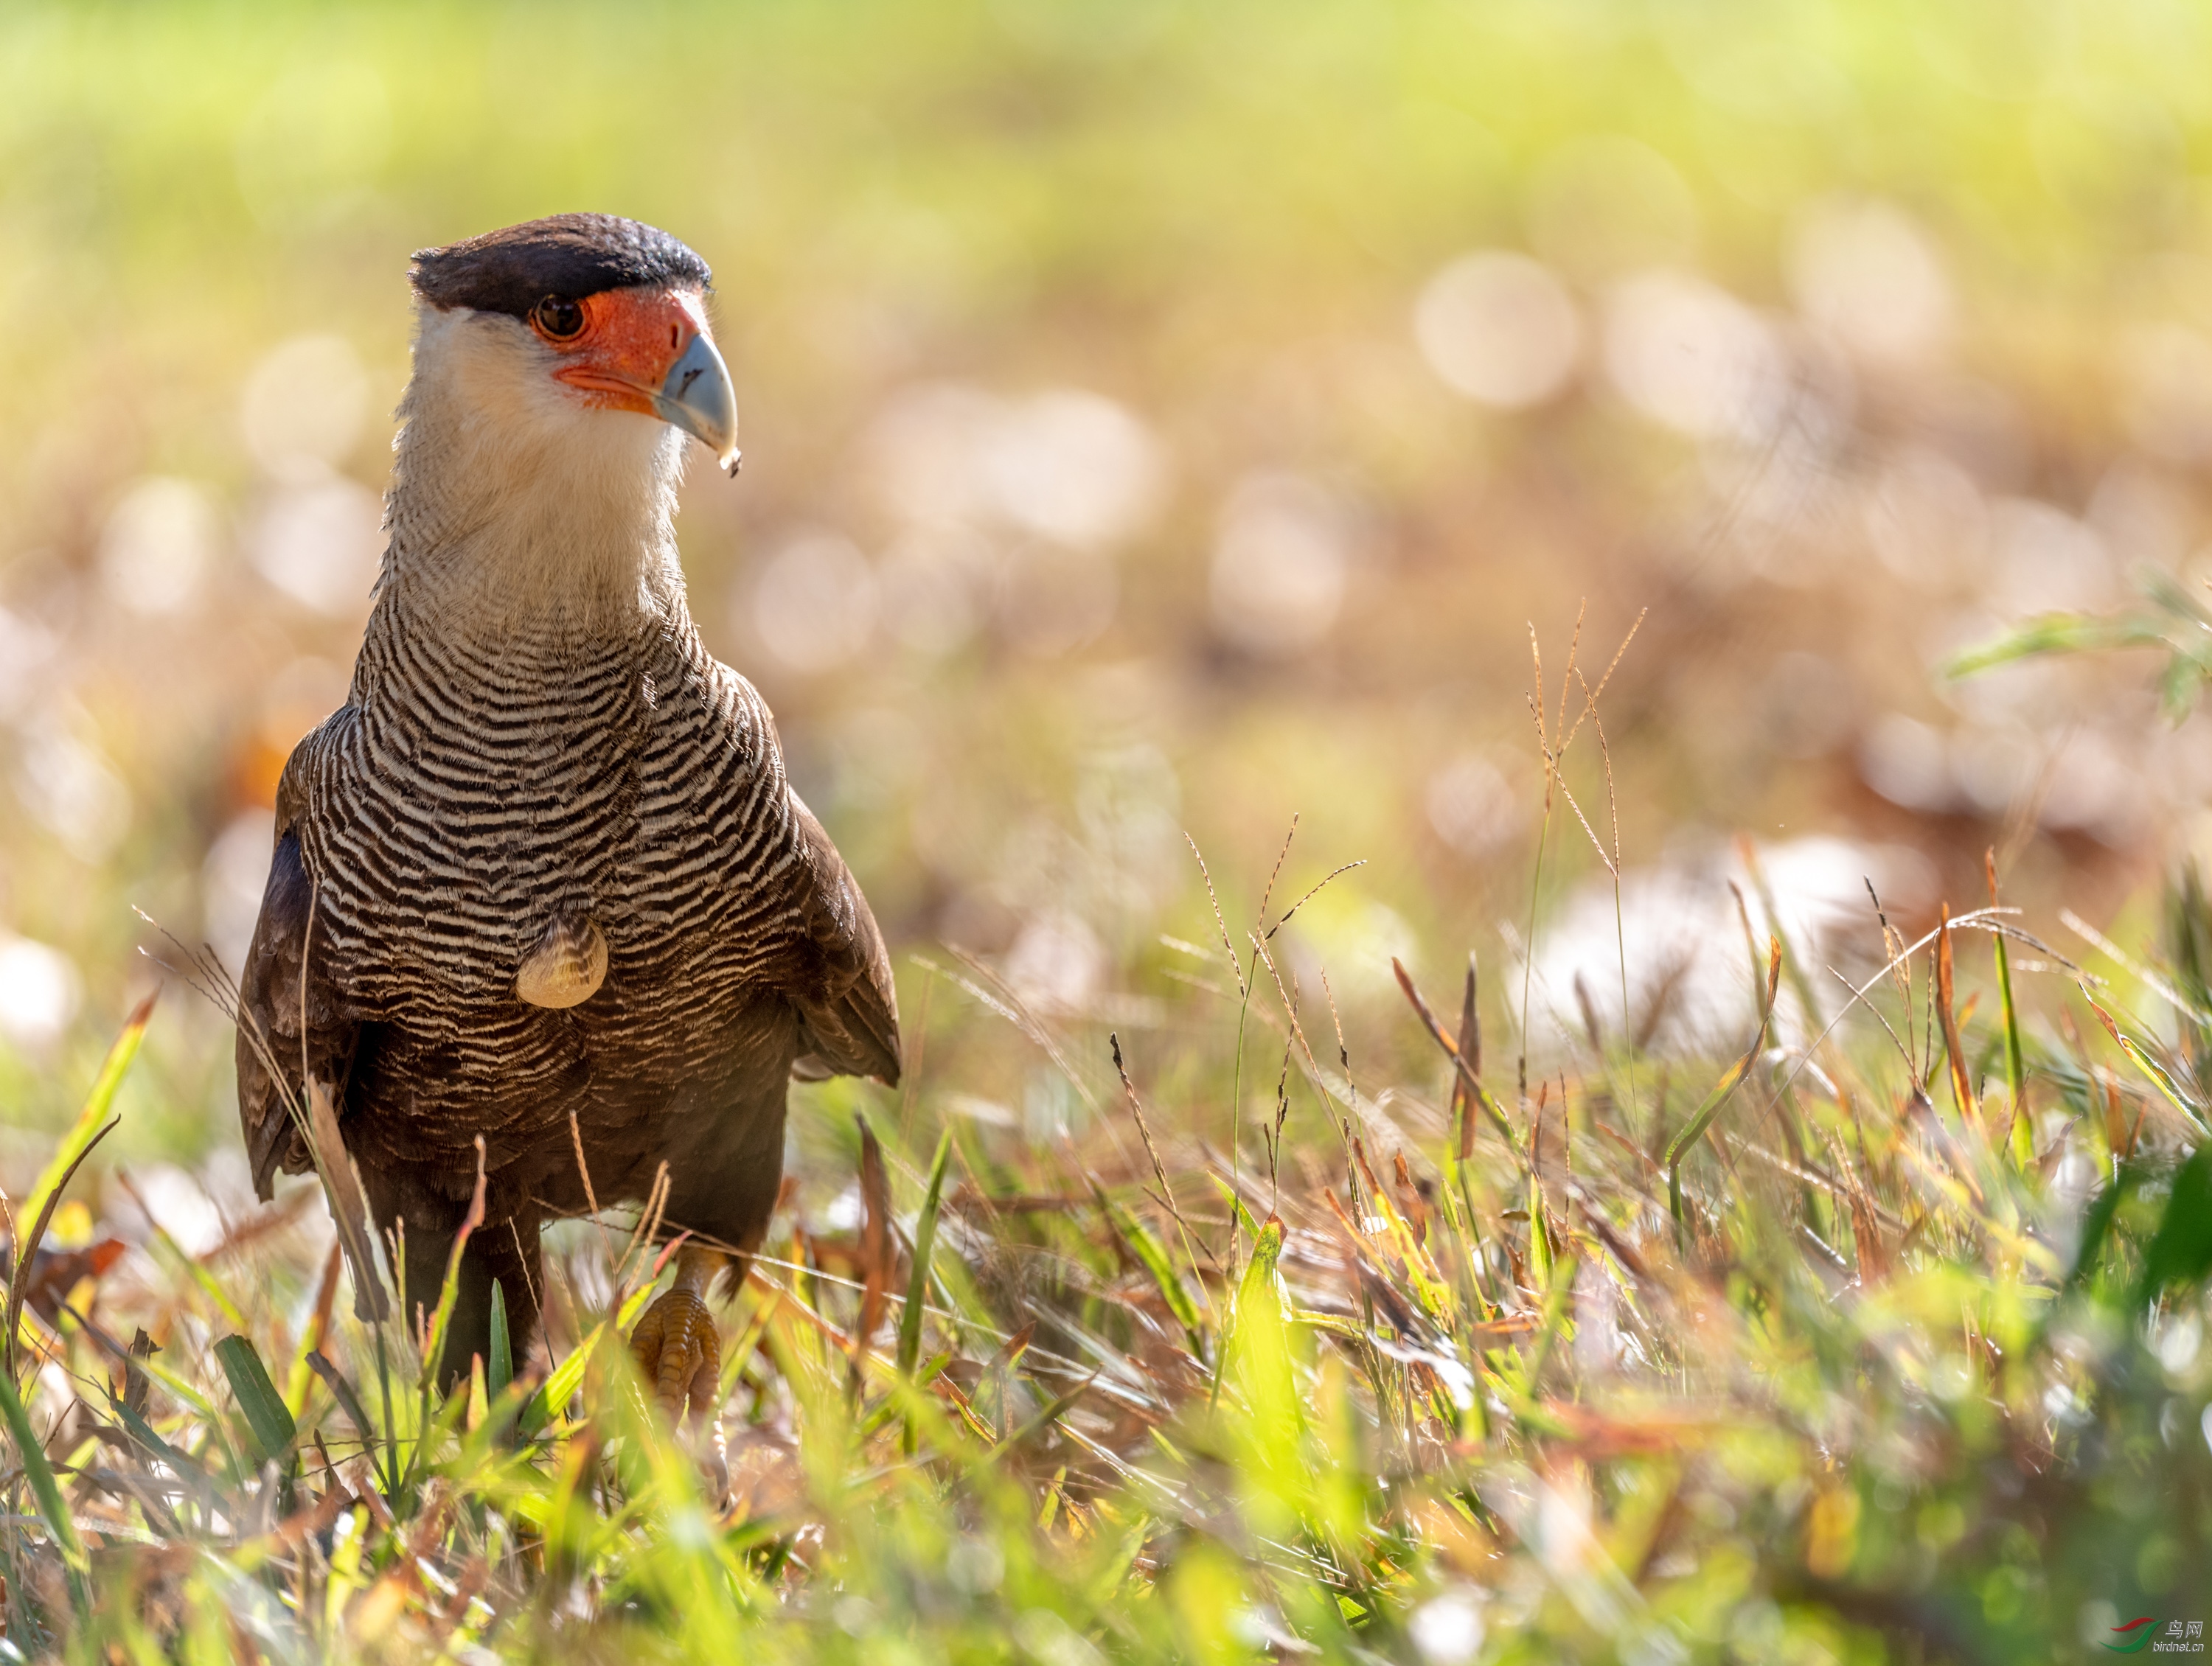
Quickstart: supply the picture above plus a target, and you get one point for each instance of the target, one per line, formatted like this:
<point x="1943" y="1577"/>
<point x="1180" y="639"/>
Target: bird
<point x="542" y="882"/>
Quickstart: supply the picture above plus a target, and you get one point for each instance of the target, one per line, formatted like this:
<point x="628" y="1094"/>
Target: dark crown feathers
<point x="572" y="255"/>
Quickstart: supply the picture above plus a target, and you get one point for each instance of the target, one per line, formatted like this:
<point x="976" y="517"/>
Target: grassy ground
<point x="1913" y="1369"/>
<point x="1879" y="1344"/>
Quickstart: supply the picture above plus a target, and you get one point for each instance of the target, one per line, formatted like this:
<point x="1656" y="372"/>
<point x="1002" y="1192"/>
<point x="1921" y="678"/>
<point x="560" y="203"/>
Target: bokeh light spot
<point x="158" y="544"/>
<point x="39" y="990"/>
<point x="320" y="542"/>
<point x="303" y="407"/>
<point x="1499" y="329"/>
<point x="814" y="601"/>
<point x="1688" y="354"/>
<point x="1279" y="563"/>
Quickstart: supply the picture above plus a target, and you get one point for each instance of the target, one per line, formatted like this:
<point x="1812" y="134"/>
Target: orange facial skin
<point x="629" y="339"/>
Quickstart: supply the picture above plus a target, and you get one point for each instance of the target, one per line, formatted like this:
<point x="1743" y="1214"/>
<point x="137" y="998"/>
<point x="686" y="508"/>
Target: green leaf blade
<point x="499" y="1369"/>
<point x="2180" y="1253"/>
<point x="924" y="1239"/>
<point x="1147" y="1247"/>
<point x="40" y="1474"/>
<point x="98" y="1102"/>
<point x="561" y="1384"/>
<point x="266" y="1418"/>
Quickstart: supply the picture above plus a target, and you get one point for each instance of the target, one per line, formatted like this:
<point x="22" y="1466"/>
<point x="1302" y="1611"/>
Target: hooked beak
<point x="647" y="350"/>
<point x="697" y="397"/>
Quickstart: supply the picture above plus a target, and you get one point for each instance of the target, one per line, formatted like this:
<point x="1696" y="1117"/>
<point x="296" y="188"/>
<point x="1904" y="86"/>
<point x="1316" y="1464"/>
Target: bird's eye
<point x="557" y="319"/>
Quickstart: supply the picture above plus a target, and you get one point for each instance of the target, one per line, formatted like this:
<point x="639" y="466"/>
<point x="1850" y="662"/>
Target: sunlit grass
<point x="1806" y="1358"/>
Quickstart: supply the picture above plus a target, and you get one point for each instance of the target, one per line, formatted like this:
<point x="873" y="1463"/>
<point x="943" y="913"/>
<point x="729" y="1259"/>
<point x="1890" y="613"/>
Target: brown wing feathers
<point x="279" y="1009"/>
<point x="850" y="1017"/>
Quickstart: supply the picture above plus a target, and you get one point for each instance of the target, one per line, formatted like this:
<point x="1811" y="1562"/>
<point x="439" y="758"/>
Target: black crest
<point x="572" y="255"/>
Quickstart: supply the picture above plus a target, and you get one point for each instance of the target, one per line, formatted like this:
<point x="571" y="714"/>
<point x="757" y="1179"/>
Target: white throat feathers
<point x="516" y="509"/>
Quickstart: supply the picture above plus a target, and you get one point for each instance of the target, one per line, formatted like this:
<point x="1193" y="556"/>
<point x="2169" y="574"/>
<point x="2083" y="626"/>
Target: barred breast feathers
<point x="532" y="709"/>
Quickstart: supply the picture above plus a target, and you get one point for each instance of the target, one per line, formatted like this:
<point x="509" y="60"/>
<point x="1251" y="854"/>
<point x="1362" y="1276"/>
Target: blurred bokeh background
<point x="1156" y="418"/>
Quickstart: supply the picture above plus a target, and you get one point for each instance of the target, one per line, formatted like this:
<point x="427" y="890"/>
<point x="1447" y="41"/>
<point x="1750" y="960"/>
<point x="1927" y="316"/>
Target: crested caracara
<point x="542" y="879"/>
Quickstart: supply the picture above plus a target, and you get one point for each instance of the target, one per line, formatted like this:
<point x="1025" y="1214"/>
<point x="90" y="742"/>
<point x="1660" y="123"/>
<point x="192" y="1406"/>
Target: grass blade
<point x="561" y="1384"/>
<point x="2181" y="1253"/>
<point x="1237" y="1204"/>
<point x="186" y="1468"/>
<point x="924" y="1236"/>
<point x="1694" y="1129"/>
<point x="449" y="1293"/>
<point x="1540" y="1234"/>
<point x="499" y="1370"/>
<point x="40" y="1474"/>
<point x="186" y="1392"/>
<point x="1962" y="1090"/>
<point x="2150" y="1066"/>
<point x="1261" y="1347"/>
<point x="271" y="1425"/>
<point x="27" y="1250"/>
<point x="1148" y="1249"/>
<point x="349" y="1402"/>
<point x="1463" y="1069"/>
<point x="86" y="1130"/>
<point x="876" y="1250"/>
<point x="2052" y="633"/>
<point x="1044" y="1420"/>
<point x="385" y="1467"/>
<point x="89" y="1129"/>
<point x="2023" y="1131"/>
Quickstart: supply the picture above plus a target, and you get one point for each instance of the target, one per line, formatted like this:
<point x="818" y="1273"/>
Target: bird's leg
<point x="680" y="1351"/>
<point x="676" y="1343"/>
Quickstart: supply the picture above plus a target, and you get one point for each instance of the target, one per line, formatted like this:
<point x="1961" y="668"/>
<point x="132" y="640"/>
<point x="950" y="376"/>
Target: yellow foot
<point x="680" y="1353"/>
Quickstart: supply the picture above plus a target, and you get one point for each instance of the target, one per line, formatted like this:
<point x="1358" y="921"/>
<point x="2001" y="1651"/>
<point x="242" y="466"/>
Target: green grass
<point x="1867" y="1387"/>
<point x="1777" y="1353"/>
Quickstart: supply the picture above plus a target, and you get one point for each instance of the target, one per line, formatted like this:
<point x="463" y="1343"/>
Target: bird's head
<point x="557" y="327"/>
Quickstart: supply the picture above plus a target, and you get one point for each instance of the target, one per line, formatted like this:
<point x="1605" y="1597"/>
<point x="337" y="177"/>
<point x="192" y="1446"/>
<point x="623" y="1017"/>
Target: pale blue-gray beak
<point x="697" y="397"/>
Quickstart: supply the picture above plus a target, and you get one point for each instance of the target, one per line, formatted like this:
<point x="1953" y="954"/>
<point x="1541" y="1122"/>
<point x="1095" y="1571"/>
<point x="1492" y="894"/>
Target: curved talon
<point x="680" y="1351"/>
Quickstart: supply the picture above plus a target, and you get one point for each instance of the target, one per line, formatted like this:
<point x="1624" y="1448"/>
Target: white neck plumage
<point x="516" y="511"/>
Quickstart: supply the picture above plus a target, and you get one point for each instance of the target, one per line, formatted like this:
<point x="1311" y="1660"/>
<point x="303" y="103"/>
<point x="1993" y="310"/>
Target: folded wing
<point x="289" y="1019"/>
<point x="848" y="1008"/>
